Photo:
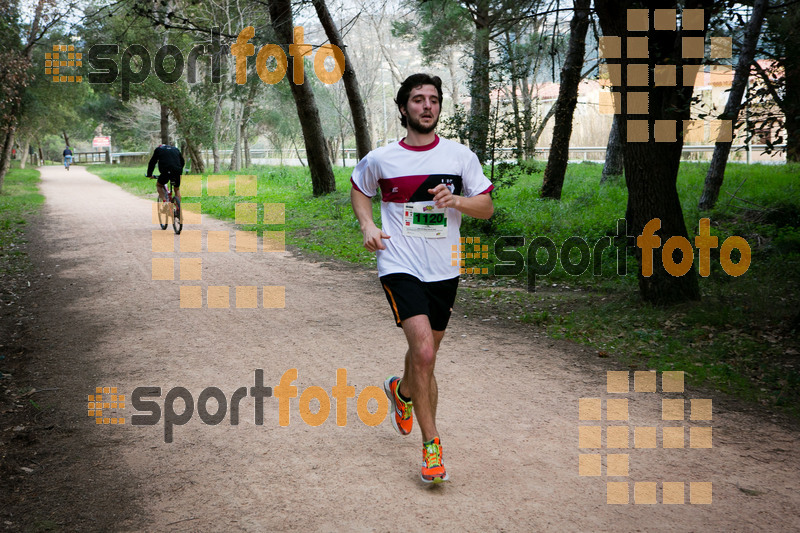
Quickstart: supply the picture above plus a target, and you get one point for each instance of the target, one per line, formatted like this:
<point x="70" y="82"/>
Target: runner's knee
<point x="423" y="357"/>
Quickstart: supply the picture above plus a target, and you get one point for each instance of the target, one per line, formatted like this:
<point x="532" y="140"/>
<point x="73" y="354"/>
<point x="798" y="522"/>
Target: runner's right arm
<point x="362" y="207"/>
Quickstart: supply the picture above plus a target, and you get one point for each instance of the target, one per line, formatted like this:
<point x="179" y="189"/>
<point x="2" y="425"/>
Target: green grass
<point x="19" y="200"/>
<point x="740" y="338"/>
<point x="325" y="225"/>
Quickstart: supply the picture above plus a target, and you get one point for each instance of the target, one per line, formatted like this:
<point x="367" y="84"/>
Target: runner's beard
<point x="418" y="127"/>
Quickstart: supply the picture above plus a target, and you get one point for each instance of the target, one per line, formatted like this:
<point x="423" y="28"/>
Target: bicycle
<point x="67" y="161"/>
<point x="164" y="211"/>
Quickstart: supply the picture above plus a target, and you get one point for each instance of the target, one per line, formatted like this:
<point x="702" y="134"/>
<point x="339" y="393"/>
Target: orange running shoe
<point x="432" y="466"/>
<point x="402" y="420"/>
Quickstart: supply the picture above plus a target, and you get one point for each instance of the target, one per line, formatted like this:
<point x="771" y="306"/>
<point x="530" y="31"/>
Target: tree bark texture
<point x="791" y="101"/>
<point x="553" y="179"/>
<point x="479" y="84"/>
<point x="716" y="171"/>
<point x="651" y="168"/>
<point x="615" y="155"/>
<point x="5" y="155"/>
<point x="527" y="119"/>
<point x="322" y="179"/>
<point x="217" y="126"/>
<point x="164" y="124"/>
<point x="235" y="162"/>
<point x="24" y="149"/>
<point x="515" y="99"/>
<point x="192" y="149"/>
<point x="357" y="109"/>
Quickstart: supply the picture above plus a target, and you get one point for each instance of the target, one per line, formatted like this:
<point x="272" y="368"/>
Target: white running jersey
<point x="422" y="236"/>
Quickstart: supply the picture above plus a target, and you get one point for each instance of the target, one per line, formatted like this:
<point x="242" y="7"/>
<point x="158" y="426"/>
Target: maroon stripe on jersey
<point x="490" y="189"/>
<point x="401" y="188"/>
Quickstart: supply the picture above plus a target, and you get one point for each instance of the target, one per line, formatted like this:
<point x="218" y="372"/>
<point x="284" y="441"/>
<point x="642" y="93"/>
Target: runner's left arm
<point x="476" y="200"/>
<point x="480" y="206"/>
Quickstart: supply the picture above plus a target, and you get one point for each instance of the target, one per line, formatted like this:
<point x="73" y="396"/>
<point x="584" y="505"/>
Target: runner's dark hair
<point x="411" y="82"/>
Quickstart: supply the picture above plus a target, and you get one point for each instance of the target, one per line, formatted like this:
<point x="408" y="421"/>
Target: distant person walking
<point x="67" y="153"/>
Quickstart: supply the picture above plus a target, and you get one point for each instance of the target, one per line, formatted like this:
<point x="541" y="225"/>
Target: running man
<point x="426" y="183"/>
<point x="170" y="166"/>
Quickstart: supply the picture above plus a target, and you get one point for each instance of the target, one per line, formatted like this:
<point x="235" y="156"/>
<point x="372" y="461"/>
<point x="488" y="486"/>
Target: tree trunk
<point x="783" y="21"/>
<point x="565" y="105"/>
<point x="297" y="153"/>
<point x="24" y="158"/>
<point x="452" y="66"/>
<point x="615" y="156"/>
<point x="651" y="168"/>
<point x="534" y="140"/>
<point x="716" y="171"/>
<point x="217" y="122"/>
<point x="236" y="153"/>
<point x="791" y="101"/>
<point x="527" y="119"/>
<point x="246" y="111"/>
<point x="198" y="165"/>
<point x="333" y="148"/>
<point x="357" y="109"/>
<point x="191" y="148"/>
<point x="66" y="138"/>
<point x="322" y="179"/>
<point x="514" y="99"/>
<point x="5" y="155"/>
<point x="479" y="84"/>
<point x="164" y="124"/>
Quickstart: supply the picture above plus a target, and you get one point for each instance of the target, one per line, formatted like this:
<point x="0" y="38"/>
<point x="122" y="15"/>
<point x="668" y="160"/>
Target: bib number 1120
<point x="430" y="219"/>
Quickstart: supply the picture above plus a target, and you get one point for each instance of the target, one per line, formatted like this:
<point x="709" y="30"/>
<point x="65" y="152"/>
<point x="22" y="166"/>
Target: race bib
<point x="424" y="219"/>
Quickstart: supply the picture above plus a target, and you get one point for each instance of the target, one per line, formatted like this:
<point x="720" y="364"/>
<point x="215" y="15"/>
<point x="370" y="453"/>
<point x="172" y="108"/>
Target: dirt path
<point x="508" y="410"/>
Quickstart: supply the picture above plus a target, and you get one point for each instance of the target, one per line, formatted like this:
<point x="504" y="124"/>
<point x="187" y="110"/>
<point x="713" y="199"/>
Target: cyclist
<point x="67" y="157"/>
<point x="170" y="166"/>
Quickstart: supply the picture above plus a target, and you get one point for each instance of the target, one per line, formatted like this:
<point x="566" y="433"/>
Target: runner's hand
<point x="442" y="196"/>
<point x="373" y="237"/>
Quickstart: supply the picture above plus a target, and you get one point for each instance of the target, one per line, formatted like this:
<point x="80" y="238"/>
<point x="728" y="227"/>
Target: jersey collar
<point x="423" y="148"/>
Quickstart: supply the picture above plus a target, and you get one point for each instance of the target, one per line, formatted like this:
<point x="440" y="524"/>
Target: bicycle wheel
<point x="177" y="216"/>
<point x="162" y="213"/>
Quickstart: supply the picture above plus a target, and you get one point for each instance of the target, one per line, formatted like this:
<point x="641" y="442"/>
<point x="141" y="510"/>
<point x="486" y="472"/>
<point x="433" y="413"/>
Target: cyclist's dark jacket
<point x="67" y="152"/>
<point x="170" y="161"/>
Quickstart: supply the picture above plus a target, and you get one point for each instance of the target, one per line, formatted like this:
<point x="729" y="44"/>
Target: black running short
<point x="409" y="297"/>
<point x="174" y="178"/>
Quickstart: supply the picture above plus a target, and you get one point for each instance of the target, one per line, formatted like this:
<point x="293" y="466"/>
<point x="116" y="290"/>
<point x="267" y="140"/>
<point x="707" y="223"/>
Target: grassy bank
<point x="19" y="200"/>
<point x="741" y="338"/>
